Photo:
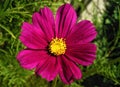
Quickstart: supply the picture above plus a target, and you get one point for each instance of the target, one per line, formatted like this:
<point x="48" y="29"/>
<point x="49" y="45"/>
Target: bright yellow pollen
<point x="57" y="46"/>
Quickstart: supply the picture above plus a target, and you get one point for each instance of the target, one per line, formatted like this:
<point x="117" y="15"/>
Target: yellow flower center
<point x="57" y="46"/>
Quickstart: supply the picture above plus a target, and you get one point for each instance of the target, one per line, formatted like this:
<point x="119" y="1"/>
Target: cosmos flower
<point x="56" y="46"/>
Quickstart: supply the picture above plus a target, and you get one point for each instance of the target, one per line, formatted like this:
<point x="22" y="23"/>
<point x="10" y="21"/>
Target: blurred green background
<point x="105" y="14"/>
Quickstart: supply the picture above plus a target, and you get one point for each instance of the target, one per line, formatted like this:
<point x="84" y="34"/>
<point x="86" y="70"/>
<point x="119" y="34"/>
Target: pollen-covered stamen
<point x="57" y="46"/>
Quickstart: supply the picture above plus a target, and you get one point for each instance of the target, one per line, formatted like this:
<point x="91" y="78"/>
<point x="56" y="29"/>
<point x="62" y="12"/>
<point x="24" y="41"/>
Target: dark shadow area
<point x="98" y="81"/>
<point x="111" y="27"/>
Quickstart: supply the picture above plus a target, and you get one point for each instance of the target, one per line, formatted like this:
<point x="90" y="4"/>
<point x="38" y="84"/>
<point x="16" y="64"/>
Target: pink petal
<point x="50" y="69"/>
<point x="29" y="59"/>
<point x="83" y="54"/>
<point x="82" y="32"/>
<point x="45" y="20"/>
<point x="69" y="70"/>
<point x="65" y="19"/>
<point x="32" y="37"/>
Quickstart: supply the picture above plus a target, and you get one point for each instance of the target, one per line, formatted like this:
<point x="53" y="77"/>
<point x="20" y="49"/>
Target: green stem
<point x="114" y="60"/>
<point x="20" y="12"/>
<point x="65" y="85"/>
<point x="3" y="51"/>
<point x="55" y="82"/>
<point x="8" y="31"/>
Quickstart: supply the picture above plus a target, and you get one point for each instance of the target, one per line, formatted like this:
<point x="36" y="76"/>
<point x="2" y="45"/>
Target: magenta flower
<point x="57" y="46"/>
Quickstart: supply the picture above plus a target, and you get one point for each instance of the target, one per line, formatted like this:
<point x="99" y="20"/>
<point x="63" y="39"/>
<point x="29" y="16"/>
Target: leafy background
<point x="105" y="72"/>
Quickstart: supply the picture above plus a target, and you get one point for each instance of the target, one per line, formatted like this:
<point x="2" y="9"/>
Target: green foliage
<point x="108" y="42"/>
<point x="107" y="64"/>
